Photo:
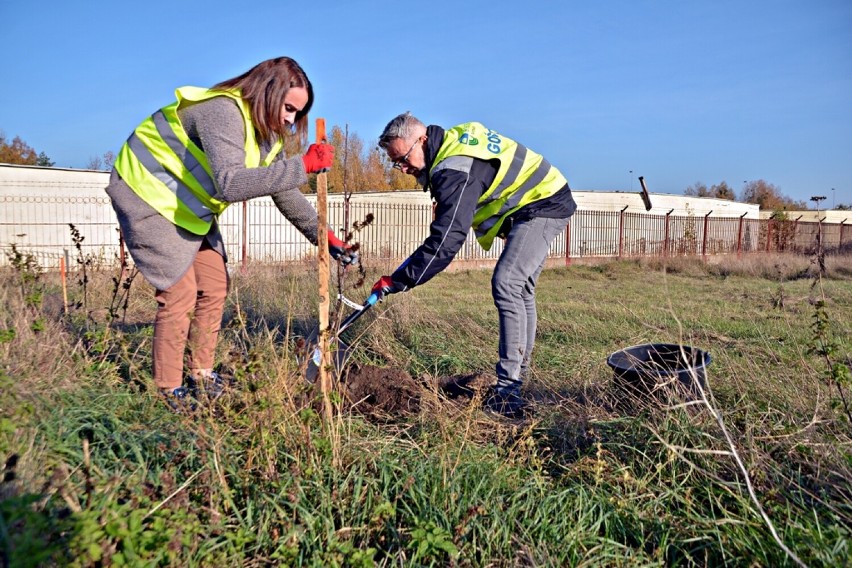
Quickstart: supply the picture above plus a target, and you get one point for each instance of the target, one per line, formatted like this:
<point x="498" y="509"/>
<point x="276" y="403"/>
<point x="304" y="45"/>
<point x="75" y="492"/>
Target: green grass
<point x="98" y="472"/>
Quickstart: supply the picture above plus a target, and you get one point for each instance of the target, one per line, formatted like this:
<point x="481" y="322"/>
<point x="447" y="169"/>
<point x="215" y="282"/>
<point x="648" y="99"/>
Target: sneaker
<point x="179" y="400"/>
<point x="210" y="387"/>
<point x="507" y="403"/>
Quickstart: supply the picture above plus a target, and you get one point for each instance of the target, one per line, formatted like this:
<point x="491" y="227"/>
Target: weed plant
<point x="98" y="472"/>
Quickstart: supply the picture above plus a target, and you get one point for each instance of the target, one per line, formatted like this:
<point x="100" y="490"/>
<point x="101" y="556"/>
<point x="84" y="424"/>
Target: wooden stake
<point x="64" y="279"/>
<point x="323" y="262"/>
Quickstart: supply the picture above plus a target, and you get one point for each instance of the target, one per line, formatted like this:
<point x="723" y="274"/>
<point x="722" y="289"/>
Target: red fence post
<point x="621" y="231"/>
<point x="666" y="235"/>
<point x="244" y="231"/>
<point x="768" y="234"/>
<point x="740" y="236"/>
<point x="704" y="236"/>
<point x="568" y="243"/>
<point x="795" y="239"/>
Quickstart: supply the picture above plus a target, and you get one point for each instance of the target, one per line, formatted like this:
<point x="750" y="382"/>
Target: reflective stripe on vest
<point x="170" y="173"/>
<point x="523" y="176"/>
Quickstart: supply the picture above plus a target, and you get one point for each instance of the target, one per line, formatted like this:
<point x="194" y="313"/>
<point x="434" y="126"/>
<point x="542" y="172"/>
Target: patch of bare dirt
<point x="379" y="391"/>
<point x="391" y="393"/>
<point x="455" y="386"/>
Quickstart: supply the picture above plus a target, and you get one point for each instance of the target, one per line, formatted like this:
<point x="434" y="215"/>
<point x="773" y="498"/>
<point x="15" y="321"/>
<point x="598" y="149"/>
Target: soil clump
<point x="390" y="393"/>
<point x="380" y="391"/>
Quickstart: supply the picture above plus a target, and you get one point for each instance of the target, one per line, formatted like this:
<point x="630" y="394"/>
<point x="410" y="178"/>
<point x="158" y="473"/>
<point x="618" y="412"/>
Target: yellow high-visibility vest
<point x="171" y="173"/>
<point x="522" y="178"/>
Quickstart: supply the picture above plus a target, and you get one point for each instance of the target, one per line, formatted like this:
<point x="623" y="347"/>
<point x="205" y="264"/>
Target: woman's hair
<point x="405" y="126"/>
<point x="264" y="87"/>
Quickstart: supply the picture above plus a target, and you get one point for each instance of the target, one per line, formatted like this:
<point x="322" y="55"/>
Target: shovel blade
<point x="339" y="349"/>
<point x="339" y="355"/>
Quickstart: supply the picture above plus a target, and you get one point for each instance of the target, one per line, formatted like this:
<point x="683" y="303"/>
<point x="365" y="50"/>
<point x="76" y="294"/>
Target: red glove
<point x="318" y="158"/>
<point x="341" y="251"/>
<point x="383" y="287"/>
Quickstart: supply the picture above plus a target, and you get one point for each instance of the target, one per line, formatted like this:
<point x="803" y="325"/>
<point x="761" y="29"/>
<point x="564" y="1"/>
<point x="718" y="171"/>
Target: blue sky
<point x="677" y="91"/>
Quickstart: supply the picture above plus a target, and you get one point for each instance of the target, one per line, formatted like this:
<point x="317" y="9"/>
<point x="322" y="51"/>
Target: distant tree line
<point x="758" y="192"/>
<point x="359" y="168"/>
<point x="17" y="151"/>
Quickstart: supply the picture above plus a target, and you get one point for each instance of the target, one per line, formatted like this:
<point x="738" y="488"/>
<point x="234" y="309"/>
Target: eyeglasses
<point x="399" y="162"/>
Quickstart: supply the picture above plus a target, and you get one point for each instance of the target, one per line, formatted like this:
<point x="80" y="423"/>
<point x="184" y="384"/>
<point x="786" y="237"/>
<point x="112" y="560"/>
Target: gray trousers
<point x="513" y="289"/>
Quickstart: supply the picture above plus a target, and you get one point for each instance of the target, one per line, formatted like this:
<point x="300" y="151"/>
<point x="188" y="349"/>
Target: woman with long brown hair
<point x="178" y="171"/>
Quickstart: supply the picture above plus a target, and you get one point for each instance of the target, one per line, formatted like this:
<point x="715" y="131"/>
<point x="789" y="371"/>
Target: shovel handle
<point x="369" y="303"/>
<point x="350" y="319"/>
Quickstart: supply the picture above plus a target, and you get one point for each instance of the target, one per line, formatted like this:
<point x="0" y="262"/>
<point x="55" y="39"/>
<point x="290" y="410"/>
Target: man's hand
<point x="318" y="158"/>
<point x="383" y="287"/>
<point x="340" y="251"/>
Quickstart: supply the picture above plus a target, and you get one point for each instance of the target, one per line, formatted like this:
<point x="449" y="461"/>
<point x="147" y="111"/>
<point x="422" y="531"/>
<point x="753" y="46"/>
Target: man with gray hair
<point x="482" y="180"/>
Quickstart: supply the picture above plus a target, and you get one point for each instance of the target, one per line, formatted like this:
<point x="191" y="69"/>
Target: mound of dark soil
<point x="393" y="393"/>
<point x="381" y="391"/>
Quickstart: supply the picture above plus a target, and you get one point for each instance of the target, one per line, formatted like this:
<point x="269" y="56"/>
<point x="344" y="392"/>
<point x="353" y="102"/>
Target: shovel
<point x="340" y="350"/>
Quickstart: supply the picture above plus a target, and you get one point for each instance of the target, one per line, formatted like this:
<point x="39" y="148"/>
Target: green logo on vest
<point x="466" y="139"/>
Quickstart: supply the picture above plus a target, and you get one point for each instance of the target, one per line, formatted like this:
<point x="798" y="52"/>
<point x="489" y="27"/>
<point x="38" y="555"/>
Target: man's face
<point x="407" y="155"/>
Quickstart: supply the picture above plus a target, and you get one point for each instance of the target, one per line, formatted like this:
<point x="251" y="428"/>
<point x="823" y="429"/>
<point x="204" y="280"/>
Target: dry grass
<point x="593" y="478"/>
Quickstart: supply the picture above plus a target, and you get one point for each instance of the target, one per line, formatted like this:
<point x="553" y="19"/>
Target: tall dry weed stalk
<point x="83" y="262"/>
<point x="707" y="401"/>
<point x="824" y="344"/>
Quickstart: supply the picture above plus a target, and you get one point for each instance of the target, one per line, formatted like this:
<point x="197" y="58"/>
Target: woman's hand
<point x="318" y="158"/>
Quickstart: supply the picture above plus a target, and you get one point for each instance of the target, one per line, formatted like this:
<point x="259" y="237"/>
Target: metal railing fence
<point x="256" y="231"/>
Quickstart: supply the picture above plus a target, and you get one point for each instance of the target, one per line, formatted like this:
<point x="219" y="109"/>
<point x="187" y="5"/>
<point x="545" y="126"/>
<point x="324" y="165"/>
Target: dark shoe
<point x="179" y="400"/>
<point x="506" y="403"/>
<point x="211" y="387"/>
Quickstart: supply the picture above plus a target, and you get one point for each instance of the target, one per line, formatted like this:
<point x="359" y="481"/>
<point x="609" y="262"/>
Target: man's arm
<point x="457" y="185"/>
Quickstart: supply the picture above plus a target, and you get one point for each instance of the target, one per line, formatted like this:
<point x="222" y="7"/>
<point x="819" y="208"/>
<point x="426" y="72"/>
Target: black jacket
<point x="456" y="193"/>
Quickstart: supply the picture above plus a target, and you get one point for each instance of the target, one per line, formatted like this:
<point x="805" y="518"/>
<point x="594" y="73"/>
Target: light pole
<point x="832" y="198"/>
<point x="631" y="181"/>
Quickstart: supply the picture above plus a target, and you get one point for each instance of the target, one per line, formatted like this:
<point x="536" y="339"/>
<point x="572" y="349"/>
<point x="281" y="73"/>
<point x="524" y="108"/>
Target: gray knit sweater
<point x="162" y="251"/>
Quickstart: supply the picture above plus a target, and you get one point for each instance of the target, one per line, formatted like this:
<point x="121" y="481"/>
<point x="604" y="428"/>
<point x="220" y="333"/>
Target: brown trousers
<point x="189" y="315"/>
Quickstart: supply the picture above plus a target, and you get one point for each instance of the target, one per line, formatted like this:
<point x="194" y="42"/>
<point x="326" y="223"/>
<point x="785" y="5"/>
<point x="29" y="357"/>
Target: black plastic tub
<point x="660" y="367"/>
